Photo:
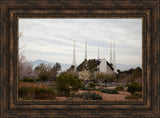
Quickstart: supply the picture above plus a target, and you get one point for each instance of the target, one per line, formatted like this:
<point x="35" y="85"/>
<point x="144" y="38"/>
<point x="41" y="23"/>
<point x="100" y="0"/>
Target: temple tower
<point x="74" y="59"/>
<point x="86" y="50"/>
<point x="98" y="53"/>
<point x="114" y="58"/>
<point x="111" y="54"/>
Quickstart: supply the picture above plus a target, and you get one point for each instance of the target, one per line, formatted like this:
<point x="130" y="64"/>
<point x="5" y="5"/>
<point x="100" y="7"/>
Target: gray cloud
<point x="52" y="39"/>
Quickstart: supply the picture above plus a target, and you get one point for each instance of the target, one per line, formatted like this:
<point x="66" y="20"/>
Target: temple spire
<point x="74" y="59"/>
<point x="85" y="49"/>
<point x="114" y="58"/>
<point x="111" y="54"/>
<point x="98" y="52"/>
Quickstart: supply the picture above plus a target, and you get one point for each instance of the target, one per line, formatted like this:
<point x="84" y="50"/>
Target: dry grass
<point x="33" y="85"/>
<point x="35" y="91"/>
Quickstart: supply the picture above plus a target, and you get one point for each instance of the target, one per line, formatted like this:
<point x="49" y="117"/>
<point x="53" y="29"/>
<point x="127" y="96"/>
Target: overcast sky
<point x="52" y="39"/>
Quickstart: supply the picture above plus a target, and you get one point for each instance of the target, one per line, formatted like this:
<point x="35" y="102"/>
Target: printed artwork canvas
<point x="80" y="59"/>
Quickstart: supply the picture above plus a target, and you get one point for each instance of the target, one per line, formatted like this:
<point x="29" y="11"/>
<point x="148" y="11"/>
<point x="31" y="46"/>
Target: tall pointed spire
<point x="85" y="49"/>
<point x="74" y="59"/>
<point x="98" y="52"/>
<point x="111" y="54"/>
<point x="114" y="58"/>
<point x="86" y="62"/>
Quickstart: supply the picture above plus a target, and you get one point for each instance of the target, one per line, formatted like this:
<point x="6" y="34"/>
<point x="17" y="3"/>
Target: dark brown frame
<point x="11" y="10"/>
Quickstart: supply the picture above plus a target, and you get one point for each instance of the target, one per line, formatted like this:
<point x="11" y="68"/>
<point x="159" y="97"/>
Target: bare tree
<point x="24" y="66"/>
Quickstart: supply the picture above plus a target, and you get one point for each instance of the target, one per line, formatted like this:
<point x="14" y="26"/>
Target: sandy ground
<point x="111" y="97"/>
<point x="61" y="98"/>
<point x="107" y="97"/>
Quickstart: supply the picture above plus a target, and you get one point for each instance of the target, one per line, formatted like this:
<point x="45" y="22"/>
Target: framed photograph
<point x="79" y="59"/>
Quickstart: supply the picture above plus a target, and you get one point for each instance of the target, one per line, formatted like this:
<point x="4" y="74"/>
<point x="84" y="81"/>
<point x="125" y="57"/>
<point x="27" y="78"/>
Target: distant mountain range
<point x="122" y="67"/>
<point x="39" y="61"/>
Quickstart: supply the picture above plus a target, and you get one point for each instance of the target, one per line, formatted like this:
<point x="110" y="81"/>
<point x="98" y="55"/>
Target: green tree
<point x="130" y="71"/>
<point x="66" y="82"/>
<point x="119" y="71"/>
<point x="54" y="71"/>
<point x="42" y="72"/>
<point x="47" y="72"/>
<point x="137" y="73"/>
<point x="52" y="75"/>
<point x="41" y="68"/>
<point x="71" y="69"/>
<point x="43" y="76"/>
<point x="133" y="87"/>
<point x="57" y="67"/>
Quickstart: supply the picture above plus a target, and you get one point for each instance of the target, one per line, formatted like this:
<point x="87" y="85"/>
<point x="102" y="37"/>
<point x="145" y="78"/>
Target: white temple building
<point x="102" y="64"/>
<point x="105" y="66"/>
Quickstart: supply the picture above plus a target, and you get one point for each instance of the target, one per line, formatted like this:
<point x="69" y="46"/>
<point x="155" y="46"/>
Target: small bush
<point x="37" y="80"/>
<point x="92" y="85"/>
<point x="87" y="89"/>
<point x="66" y="83"/>
<point x="43" y="77"/>
<point x="27" y="79"/>
<point x="26" y="93"/>
<point x="109" y="91"/>
<point x="95" y="96"/>
<point x="89" y="96"/>
<point x="29" y="93"/>
<point x="83" y="88"/>
<point x="133" y="87"/>
<point x="44" y="93"/>
<point x="133" y="96"/>
<point x="139" y="95"/>
<point x="119" y="88"/>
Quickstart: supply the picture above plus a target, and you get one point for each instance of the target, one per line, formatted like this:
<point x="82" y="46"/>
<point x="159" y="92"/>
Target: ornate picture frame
<point x="11" y="10"/>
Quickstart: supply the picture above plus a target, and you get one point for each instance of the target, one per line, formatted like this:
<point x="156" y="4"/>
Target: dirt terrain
<point x="111" y="97"/>
<point x="107" y="97"/>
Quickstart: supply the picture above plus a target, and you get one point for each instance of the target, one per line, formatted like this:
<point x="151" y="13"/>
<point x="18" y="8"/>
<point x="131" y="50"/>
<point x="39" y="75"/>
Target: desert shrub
<point x="27" y="79"/>
<point x="134" y="86"/>
<point x="37" y="80"/>
<point x="43" y="76"/>
<point x="109" y="91"/>
<point x="89" y="96"/>
<point x="83" y="88"/>
<point x="119" y="87"/>
<point x="87" y="89"/>
<point x="95" y="96"/>
<point x="139" y="95"/>
<point x="65" y="83"/>
<point x="92" y="85"/>
<point x="29" y="93"/>
<point x="44" y="93"/>
<point x="134" y="96"/>
<point x="26" y="93"/>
